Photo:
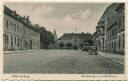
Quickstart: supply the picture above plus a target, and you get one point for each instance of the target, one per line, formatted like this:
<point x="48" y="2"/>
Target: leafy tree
<point x="46" y="38"/>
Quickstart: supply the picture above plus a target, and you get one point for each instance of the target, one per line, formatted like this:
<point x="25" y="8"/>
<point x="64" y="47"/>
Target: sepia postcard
<point x="59" y="40"/>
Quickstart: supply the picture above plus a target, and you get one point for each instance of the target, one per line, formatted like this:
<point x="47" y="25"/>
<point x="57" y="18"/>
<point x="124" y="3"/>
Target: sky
<point x="63" y="17"/>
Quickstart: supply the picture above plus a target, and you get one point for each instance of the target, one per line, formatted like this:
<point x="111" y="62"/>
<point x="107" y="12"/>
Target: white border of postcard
<point x="63" y="76"/>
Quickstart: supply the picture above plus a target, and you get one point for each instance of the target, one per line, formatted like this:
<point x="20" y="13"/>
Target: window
<point x="115" y="30"/>
<point x="11" y="23"/>
<point x="24" y="31"/>
<point x="21" y="30"/>
<point x="21" y="41"/>
<point x="11" y="41"/>
<point x="119" y="43"/>
<point x="18" y="28"/>
<point x="34" y="33"/>
<point x="7" y="23"/>
<point x="119" y="21"/>
<point x="112" y="45"/>
<point x="15" y="40"/>
<point x="18" y="42"/>
<point x="123" y="22"/>
<point x="112" y="31"/>
<point x="109" y="33"/>
<point x="123" y="41"/>
<point x="14" y="27"/>
<point x="25" y="42"/>
<point x="6" y="40"/>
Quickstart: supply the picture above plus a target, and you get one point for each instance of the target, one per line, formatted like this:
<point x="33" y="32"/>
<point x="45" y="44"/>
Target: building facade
<point x="120" y="10"/>
<point x="71" y="40"/>
<point x="111" y="32"/>
<point x="101" y="34"/>
<point x="110" y="29"/>
<point x="18" y="32"/>
<point x="95" y="38"/>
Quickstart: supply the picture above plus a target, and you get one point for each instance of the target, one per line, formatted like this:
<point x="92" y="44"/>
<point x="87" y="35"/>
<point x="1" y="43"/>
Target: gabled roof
<point x="23" y="20"/>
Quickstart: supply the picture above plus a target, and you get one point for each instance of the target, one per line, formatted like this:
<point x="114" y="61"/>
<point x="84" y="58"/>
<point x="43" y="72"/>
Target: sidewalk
<point x="114" y="57"/>
<point x="20" y="51"/>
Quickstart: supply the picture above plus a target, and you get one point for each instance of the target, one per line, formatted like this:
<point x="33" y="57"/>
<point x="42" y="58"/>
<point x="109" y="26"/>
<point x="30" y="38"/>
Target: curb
<point x="11" y="52"/>
<point x="112" y="60"/>
<point x="19" y="51"/>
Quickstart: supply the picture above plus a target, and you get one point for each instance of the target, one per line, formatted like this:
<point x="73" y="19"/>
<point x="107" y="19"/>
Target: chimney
<point x="28" y="20"/>
<point x="14" y="12"/>
<point x="27" y="17"/>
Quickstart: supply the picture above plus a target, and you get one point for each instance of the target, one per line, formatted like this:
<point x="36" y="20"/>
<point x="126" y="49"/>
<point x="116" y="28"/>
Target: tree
<point x="46" y="38"/>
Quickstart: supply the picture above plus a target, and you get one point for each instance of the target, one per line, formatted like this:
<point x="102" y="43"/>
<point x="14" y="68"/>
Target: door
<point x="11" y="43"/>
<point x="75" y="47"/>
<point x="30" y="44"/>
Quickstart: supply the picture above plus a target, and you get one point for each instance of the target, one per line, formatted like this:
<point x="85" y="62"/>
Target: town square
<point x="60" y="61"/>
<point x="68" y="38"/>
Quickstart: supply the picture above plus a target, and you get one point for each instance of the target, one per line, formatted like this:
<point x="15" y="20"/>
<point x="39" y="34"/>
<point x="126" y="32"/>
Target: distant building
<point x="71" y="40"/>
<point x="110" y="29"/>
<point x="19" y="33"/>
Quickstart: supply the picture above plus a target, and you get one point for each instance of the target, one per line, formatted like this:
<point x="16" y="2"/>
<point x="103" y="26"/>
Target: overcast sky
<point x="63" y="17"/>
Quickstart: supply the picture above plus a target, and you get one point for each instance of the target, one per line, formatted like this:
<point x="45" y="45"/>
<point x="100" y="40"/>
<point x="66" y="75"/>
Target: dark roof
<point x="72" y="35"/>
<point x="109" y="7"/>
<point x="17" y="17"/>
<point x="110" y="11"/>
<point x="121" y="5"/>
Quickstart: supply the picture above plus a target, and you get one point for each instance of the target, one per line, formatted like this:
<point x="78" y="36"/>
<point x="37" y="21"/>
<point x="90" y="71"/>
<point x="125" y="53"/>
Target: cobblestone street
<point x="59" y="61"/>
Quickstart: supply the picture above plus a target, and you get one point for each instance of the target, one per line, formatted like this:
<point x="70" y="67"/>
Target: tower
<point x="55" y="35"/>
<point x="55" y="39"/>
